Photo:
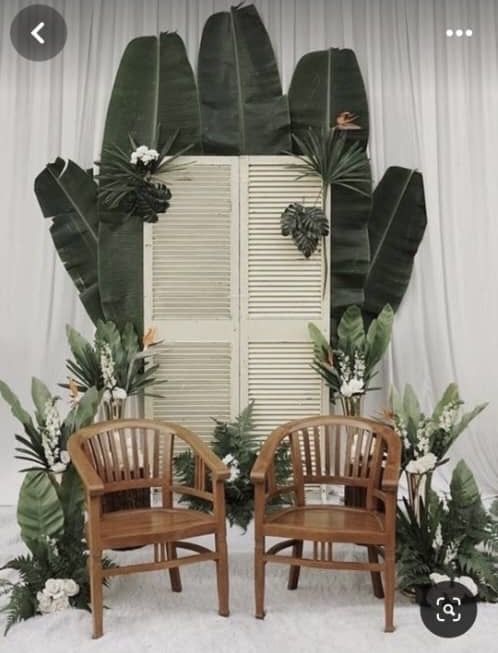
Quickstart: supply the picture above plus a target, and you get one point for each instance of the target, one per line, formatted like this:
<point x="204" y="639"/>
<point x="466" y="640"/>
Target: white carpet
<point x="330" y="612"/>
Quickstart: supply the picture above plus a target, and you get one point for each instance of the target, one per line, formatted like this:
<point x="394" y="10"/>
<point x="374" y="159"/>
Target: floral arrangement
<point x="235" y="444"/>
<point x="116" y="363"/>
<point x="129" y="181"/>
<point x="447" y="536"/>
<point x="53" y="574"/>
<point x="348" y="365"/>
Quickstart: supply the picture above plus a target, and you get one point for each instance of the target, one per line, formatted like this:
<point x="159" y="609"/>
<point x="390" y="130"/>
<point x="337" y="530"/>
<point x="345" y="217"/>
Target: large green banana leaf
<point x="68" y="195"/>
<point x="243" y="110"/>
<point x="395" y="229"/>
<point x="325" y="84"/>
<point x="154" y="86"/>
<point x="39" y="511"/>
<point x="350" y="250"/>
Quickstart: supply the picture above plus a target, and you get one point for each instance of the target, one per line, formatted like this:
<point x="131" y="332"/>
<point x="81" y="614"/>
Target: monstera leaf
<point x="243" y="110"/>
<point x="154" y="88"/>
<point x="326" y="84"/>
<point x="396" y="227"/>
<point x="68" y="195"/>
<point x="39" y="511"/>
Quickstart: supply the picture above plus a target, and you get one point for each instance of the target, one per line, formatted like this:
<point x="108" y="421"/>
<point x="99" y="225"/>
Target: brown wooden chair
<point x="347" y="451"/>
<point x="129" y="454"/>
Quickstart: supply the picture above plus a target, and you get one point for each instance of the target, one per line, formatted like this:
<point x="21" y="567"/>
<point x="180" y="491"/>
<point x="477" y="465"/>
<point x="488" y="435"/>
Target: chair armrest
<point x="218" y="469"/>
<point x="92" y="482"/>
<point x="267" y="453"/>
<point x="390" y="478"/>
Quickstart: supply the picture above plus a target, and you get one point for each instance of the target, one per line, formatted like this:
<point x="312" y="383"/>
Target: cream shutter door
<point x="281" y="292"/>
<point x="191" y="294"/>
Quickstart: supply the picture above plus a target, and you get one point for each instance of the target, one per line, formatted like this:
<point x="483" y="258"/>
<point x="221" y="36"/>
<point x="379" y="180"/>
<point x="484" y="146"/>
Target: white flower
<point x="54" y="586"/>
<point x="141" y="150"/>
<point x="71" y="587"/>
<point x="467" y="582"/>
<point x="438" y="578"/>
<point x="107" y="396"/>
<point x="60" y="603"/>
<point x="228" y="459"/>
<point x="119" y="393"/>
<point x="134" y="158"/>
<point x="58" y="468"/>
<point x="44" y="602"/>
<point x="154" y="154"/>
<point x="107" y="365"/>
<point x="422" y="465"/>
<point x="64" y="456"/>
<point x="438" y="536"/>
<point x="233" y="465"/>
<point x="352" y="387"/>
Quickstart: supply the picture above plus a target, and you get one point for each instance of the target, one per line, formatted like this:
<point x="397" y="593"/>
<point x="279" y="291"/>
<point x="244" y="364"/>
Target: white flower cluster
<point x="424" y="433"/>
<point x="438" y="536"/>
<point x="233" y="465"/>
<point x="115" y="393"/>
<point x="51" y="437"/>
<point x="352" y="373"/>
<point x="144" y="155"/>
<point x="422" y="465"/>
<point x="466" y="581"/>
<point x="107" y="366"/>
<point x="448" y="416"/>
<point x="56" y="593"/>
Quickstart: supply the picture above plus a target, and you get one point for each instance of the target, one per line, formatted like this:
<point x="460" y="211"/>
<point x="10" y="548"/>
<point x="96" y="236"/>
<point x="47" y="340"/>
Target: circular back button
<point x="38" y="32"/>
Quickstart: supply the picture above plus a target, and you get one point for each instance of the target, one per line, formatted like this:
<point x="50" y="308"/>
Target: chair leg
<point x="389" y="588"/>
<point x="174" y="572"/>
<point x="294" y="571"/>
<point x="222" y="575"/>
<point x="259" y="578"/>
<point x="373" y="557"/>
<point x="96" y="593"/>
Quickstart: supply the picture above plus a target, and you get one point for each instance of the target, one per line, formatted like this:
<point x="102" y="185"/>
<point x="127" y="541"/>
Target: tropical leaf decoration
<point x="395" y="229"/>
<point x="306" y="224"/>
<point x="39" y="512"/>
<point x="154" y="86"/>
<point x="243" y="110"/>
<point x="327" y="84"/>
<point x="68" y="195"/>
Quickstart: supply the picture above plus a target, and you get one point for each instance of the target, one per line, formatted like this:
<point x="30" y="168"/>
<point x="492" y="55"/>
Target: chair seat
<point x="327" y="523"/>
<point x="125" y="528"/>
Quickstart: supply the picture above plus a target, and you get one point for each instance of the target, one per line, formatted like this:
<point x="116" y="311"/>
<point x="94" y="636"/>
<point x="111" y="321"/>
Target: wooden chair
<point x="347" y="451"/>
<point x="128" y="454"/>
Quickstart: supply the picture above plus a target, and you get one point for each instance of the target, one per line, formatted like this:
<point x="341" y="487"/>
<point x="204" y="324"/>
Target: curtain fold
<point x="433" y="103"/>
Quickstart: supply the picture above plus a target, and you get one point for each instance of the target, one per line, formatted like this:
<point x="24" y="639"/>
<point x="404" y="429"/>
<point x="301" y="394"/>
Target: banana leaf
<point x="68" y="195"/>
<point x="243" y="110"/>
<point x="395" y="230"/>
<point x="325" y="84"/>
<point x="39" y="511"/>
<point x="154" y="88"/>
<point x="350" y="250"/>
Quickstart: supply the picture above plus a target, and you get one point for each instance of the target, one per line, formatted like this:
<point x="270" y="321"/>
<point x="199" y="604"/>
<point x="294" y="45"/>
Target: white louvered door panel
<point x="281" y="292"/>
<point x="191" y="294"/>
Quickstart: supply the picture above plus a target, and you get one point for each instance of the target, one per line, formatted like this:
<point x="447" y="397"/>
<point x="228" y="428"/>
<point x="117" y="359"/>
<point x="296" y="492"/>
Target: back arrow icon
<point x="35" y="33"/>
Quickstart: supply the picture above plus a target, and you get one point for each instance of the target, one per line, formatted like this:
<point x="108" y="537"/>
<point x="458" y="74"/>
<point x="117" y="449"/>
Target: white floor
<point x="330" y="612"/>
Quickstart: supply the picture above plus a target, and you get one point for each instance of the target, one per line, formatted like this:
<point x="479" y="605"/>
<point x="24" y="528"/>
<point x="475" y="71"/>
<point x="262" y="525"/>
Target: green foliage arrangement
<point x="129" y="182"/>
<point x="116" y="362"/>
<point x="235" y="444"/>
<point x="348" y="364"/>
<point x="53" y="574"/>
<point x="306" y="225"/>
<point x="451" y="536"/>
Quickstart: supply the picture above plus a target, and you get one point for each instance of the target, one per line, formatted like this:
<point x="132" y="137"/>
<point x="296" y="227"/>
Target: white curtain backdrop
<point x="433" y="103"/>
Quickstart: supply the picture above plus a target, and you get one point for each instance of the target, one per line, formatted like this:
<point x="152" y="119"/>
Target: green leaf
<point x="320" y="342"/>
<point x="351" y="332"/>
<point x="41" y="395"/>
<point x="463" y="487"/>
<point x="411" y="406"/>
<point x="72" y="496"/>
<point x="243" y="110"/>
<point x="15" y="406"/>
<point x="450" y="396"/>
<point x="39" y="512"/>
<point x="68" y="195"/>
<point x="379" y="336"/>
<point x="466" y="419"/>
<point x="83" y="413"/>
<point x="395" y="228"/>
<point x="325" y="84"/>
